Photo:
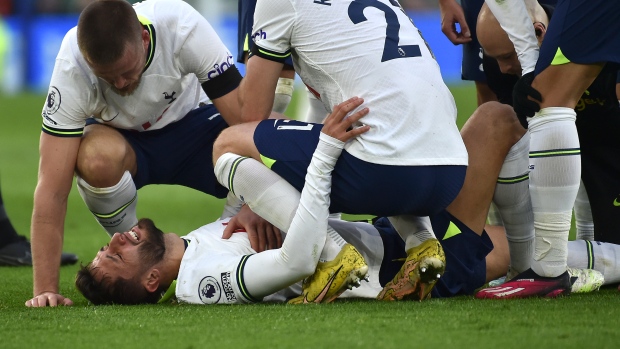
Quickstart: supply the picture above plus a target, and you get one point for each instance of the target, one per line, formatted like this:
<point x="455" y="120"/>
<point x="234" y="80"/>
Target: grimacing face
<point x="130" y="254"/>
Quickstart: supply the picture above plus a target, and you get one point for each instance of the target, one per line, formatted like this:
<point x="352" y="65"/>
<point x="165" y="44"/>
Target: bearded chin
<point x="153" y="249"/>
<point x="129" y="91"/>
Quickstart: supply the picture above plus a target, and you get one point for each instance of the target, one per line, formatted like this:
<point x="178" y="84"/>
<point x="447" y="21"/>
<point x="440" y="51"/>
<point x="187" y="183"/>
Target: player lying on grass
<point x="472" y="259"/>
<point x="136" y="266"/>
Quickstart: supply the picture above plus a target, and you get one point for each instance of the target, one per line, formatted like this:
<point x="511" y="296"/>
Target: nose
<point x="117" y="240"/>
<point x="505" y="68"/>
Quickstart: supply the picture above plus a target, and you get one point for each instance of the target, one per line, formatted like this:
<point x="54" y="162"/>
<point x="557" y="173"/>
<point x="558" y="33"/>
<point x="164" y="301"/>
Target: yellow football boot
<point x="332" y="278"/>
<point x="423" y="267"/>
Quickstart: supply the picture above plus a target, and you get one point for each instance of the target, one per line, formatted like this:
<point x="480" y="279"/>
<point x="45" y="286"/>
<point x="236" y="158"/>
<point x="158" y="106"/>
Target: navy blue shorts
<point x="244" y="32"/>
<point x="586" y="31"/>
<point x="471" y="68"/>
<point x="465" y="252"/>
<point x="358" y="187"/>
<point x="180" y="153"/>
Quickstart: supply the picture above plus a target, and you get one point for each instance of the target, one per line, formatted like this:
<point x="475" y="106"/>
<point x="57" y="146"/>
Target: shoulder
<point x="166" y="12"/>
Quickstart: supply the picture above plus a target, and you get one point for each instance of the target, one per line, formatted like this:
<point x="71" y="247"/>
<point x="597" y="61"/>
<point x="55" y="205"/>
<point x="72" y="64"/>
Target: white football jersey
<point x="184" y="52"/>
<point x="369" y="49"/>
<point x="211" y="270"/>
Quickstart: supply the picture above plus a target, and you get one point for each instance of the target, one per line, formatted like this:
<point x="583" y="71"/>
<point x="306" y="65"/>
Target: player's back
<point x="370" y="49"/>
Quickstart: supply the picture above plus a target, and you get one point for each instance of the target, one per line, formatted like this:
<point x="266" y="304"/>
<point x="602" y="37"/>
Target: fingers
<point x="274" y="238"/>
<point x="269" y="236"/>
<point x="51" y="299"/>
<point x="262" y="240"/>
<point x="278" y="237"/>
<point x="341" y="110"/>
<point x="229" y="230"/>
<point x="254" y="242"/>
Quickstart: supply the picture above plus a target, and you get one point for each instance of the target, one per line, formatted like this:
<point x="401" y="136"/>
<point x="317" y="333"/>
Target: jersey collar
<point x="148" y="25"/>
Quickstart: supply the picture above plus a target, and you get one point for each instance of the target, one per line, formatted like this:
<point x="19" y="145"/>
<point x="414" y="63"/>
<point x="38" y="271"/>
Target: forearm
<point x="257" y="89"/>
<point x="47" y="236"/>
<point x="273" y="270"/>
<point x="512" y="16"/>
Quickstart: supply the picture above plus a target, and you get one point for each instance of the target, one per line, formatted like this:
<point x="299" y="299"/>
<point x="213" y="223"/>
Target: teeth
<point x="423" y="269"/>
<point x="133" y="233"/>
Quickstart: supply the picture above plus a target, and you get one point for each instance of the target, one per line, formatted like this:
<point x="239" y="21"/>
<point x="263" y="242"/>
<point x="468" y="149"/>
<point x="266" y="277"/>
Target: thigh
<point x="581" y="31"/>
<point x="104" y="156"/>
<point x="180" y="153"/>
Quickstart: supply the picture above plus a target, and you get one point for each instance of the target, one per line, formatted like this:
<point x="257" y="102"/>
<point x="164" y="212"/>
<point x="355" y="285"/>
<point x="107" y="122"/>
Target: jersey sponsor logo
<point x="52" y="103"/>
<point x="585" y="102"/>
<point x="170" y="96"/>
<point x="220" y="68"/>
<point x="259" y="35"/>
<point x="209" y="290"/>
<point x="228" y="289"/>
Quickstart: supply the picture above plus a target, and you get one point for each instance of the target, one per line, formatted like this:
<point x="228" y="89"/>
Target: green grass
<point x="573" y="322"/>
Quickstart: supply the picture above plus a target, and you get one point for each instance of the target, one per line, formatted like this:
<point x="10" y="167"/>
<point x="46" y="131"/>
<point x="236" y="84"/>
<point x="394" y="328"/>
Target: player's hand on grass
<point x="48" y="299"/>
<point x="341" y="128"/>
<point x="451" y="14"/>
<point x="262" y="234"/>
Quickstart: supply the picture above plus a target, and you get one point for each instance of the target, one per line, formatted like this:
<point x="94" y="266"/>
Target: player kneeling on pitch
<point x="144" y="265"/>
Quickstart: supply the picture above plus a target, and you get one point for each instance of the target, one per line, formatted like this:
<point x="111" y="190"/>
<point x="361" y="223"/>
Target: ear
<point x="540" y="30"/>
<point x="151" y="280"/>
<point x="146" y="38"/>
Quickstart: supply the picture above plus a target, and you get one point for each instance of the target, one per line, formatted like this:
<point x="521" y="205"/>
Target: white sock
<point x="600" y="256"/>
<point x="413" y="229"/>
<point x="512" y="199"/>
<point x="333" y="245"/>
<point x="284" y="93"/>
<point x="554" y="182"/>
<point x="114" y="207"/>
<point x="583" y="215"/>
<point x="267" y="194"/>
<point x="316" y="110"/>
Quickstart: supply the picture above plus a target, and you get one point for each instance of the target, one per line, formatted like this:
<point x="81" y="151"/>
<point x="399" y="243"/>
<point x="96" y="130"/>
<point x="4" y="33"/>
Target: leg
<point x="488" y="135"/>
<point x="105" y="165"/>
<point x="484" y="93"/>
<point x="583" y="215"/>
<point x="15" y="249"/>
<point x="554" y="152"/>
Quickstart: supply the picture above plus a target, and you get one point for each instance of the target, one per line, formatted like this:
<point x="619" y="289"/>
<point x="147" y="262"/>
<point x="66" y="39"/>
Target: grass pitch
<point x="578" y="321"/>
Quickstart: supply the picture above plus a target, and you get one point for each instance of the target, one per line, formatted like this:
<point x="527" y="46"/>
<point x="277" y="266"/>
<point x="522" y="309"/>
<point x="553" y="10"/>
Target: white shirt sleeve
<point x="512" y="16"/>
<point x="71" y="94"/>
<point x="273" y="25"/>
<point x="200" y="49"/>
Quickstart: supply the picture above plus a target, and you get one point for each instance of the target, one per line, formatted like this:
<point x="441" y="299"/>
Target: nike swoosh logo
<point x="616" y="203"/>
<point x="325" y="289"/>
